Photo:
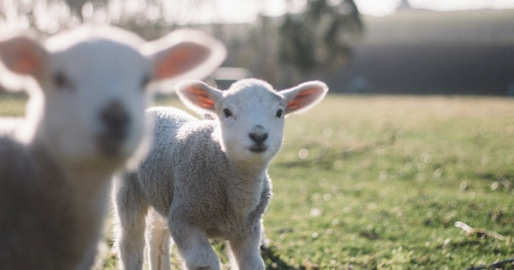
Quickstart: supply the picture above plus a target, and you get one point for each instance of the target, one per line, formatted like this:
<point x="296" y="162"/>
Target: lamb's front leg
<point x="194" y="246"/>
<point x="246" y="252"/>
<point x="158" y="239"/>
<point x="130" y="229"/>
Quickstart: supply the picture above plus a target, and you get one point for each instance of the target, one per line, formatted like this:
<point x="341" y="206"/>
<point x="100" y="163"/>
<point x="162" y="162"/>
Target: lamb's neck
<point x="87" y="197"/>
<point x="91" y="191"/>
<point x="90" y="188"/>
<point x="251" y="168"/>
<point x="89" y="182"/>
<point x="245" y="187"/>
<point x="92" y="201"/>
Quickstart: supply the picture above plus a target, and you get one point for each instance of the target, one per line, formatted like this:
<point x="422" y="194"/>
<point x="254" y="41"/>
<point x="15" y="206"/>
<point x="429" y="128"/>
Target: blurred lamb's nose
<point x="115" y="120"/>
<point x="258" y="135"/>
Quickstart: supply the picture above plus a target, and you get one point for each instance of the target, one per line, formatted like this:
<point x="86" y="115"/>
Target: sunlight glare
<point x="377" y="8"/>
<point x="443" y="5"/>
<point x="387" y="7"/>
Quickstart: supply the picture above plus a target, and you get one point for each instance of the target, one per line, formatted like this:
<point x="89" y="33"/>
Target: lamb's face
<point x="252" y="121"/>
<point x="95" y="100"/>
<point x="87" y="105"/>
<point x="251" y="113"/>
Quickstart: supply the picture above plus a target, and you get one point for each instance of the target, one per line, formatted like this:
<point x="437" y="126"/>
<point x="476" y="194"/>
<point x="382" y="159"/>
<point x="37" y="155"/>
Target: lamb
<point x="85" y="121"/>
<point x="9" y="125"/>
<point x="207" y="179"/>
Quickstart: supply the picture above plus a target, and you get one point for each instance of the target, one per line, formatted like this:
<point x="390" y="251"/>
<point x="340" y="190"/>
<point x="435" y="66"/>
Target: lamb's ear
<point x="304" y="96"/>
<point x="198" y="96"/>
<point x="23" y="56"/>
<point x="185" y="54"/>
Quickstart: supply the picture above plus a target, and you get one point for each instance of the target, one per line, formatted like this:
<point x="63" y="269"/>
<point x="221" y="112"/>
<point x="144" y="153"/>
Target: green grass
<point x="377" y="182"/>
<point x="12" y="104"/>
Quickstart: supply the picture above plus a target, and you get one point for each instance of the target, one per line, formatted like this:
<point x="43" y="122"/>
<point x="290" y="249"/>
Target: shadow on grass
<point x="272" y="259"/>
<point x="507" y="264"/>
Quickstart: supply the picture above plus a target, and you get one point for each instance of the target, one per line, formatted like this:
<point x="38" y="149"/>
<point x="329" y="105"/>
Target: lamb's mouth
<point x="111" y="144"/>
<point x="258" y="148"/>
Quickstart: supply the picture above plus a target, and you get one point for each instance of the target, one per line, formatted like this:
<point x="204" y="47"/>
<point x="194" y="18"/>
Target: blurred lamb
<point x="85" y="120"/>
<point x="9" y="125"/>
<point x="207" y="178"/>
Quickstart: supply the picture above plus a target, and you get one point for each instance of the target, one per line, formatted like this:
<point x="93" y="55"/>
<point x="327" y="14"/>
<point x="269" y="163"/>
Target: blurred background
<point x="375" y="178"/>
<point x="463" y="47"/>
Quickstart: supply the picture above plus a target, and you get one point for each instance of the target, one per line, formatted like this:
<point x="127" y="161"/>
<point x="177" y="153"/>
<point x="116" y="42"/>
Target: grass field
<point x="378" y="182"/>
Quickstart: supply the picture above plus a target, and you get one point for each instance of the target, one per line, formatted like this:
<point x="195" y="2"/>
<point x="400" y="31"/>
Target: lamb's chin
<point x="258" y="149"/>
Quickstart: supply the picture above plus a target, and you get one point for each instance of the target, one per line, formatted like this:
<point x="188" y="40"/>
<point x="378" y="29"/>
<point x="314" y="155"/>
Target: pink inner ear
<point x="22" y="56"/>
<point x="199" y="96"/>
<point x="181" y="59"/>
<point x="303" y="99"/>
<point x="27" y="64"/>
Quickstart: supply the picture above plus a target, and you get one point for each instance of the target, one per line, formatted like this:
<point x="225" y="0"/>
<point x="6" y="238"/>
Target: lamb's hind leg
<point x="158" y="239"/>
<point x="131" y="210"/>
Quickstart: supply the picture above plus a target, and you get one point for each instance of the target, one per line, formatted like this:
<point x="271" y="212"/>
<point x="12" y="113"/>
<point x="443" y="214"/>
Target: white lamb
<point x="207" y="178"/>
<point x="85" y="120"/>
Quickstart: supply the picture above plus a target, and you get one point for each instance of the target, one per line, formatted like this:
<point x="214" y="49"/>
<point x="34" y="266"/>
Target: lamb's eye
<point x="145" y="81"/>
<point x="279" y="113"/>
<point x="227" y="113"/>
<point x="61" y="81"/>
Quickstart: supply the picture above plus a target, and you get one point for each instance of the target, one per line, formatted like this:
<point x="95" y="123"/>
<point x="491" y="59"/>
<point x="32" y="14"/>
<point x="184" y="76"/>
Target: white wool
<point x="207" y="178"/>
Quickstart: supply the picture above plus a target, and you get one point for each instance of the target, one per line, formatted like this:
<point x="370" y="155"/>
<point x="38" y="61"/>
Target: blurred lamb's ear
<point x="185" y="54"/>
<point x="198" y="96"/>
<point x="23" y="56"/>
<point x="304" y="96"/>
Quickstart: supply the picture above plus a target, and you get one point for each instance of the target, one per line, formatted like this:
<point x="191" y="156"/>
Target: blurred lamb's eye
<point x="145" y="81"/>
<point x="279" y="113"/>
<point x="227" y="113"/>
<point x="61" y="81"/>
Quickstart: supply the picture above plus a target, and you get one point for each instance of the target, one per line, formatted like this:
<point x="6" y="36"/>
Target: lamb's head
<point x="90" y="85"/>
<point x="251" y="113"/>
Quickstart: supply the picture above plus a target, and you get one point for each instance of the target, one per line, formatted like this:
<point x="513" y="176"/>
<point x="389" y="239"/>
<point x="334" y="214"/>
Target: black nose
<point x="258" y="138"/>
<point x="115" y="118"/>
<point x="115" y="121"/>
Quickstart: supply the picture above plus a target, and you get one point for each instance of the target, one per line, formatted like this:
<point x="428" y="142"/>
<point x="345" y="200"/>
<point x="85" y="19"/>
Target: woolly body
<point x="208" y="178"/>
<point x="213" y="192"/>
